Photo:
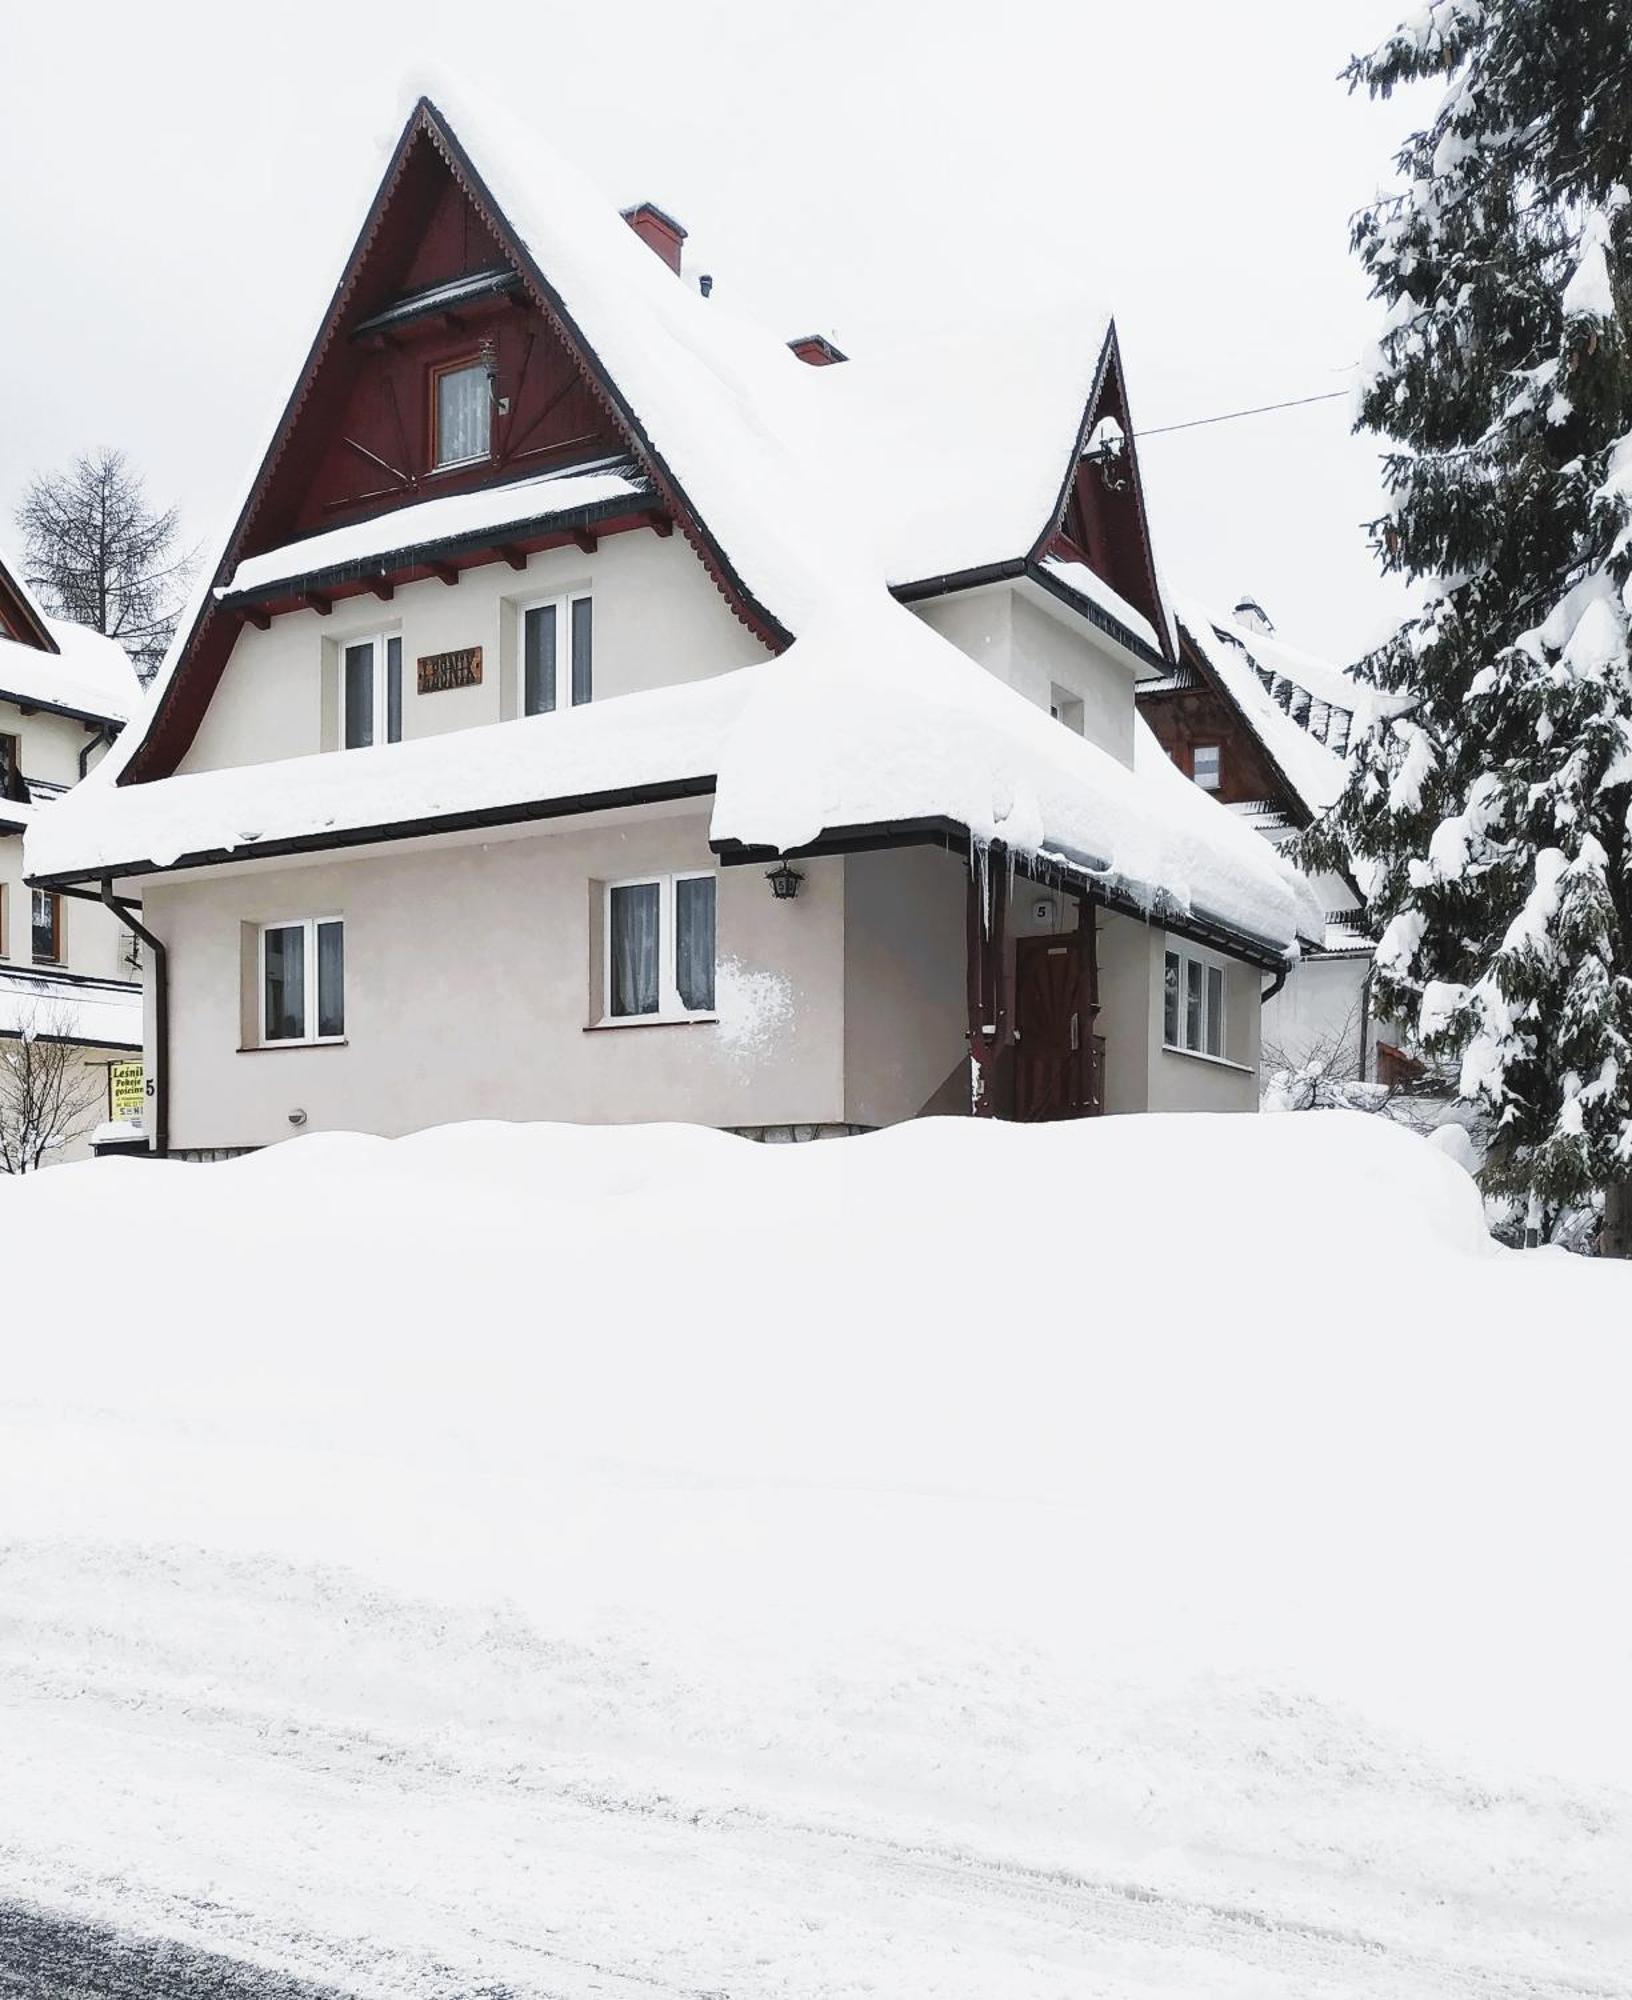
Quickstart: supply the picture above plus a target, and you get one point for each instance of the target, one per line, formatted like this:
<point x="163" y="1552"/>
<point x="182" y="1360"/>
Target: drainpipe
<point x="125" y="912"/>
<point x="1274" y="986"/>
<point x="103" y="735"/>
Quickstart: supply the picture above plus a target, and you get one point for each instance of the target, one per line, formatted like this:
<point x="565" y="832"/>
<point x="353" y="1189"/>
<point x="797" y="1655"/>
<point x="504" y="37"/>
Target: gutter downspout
<point x="161" y="1012"/>
<point x="1268" y="992"/>
<point x="103" y="736"/>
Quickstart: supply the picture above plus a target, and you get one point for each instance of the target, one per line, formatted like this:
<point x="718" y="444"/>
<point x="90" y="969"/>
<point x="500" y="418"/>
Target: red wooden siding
<point x="364" y="442"/>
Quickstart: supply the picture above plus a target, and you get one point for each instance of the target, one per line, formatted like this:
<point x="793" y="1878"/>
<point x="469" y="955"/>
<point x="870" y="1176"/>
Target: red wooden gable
<point x="1101" y="515"/>
<point x="363" y="442"/>
<point x="17" y="617"/>
<point x="356" y="438"/>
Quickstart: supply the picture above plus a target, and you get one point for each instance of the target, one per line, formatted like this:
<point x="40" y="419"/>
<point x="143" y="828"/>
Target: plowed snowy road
<point x="611" y="1886"/>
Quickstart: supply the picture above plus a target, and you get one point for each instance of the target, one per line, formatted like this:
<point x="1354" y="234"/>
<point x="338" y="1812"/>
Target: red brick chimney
<point x="657" y="231"/>
<point x="817" y="349"/>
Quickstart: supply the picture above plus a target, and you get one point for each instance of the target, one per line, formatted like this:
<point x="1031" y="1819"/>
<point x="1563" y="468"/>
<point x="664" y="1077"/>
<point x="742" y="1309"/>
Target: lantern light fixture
<point x="784" y="880"/>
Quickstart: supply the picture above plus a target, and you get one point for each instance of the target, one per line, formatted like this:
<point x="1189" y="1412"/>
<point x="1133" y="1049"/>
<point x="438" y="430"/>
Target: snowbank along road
<point x="540" y="1562"/>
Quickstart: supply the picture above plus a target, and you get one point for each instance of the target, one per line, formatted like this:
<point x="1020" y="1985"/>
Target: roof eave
<point x="421" y="555"/>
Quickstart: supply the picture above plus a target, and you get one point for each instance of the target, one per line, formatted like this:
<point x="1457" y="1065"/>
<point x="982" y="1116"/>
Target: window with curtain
<point x="559" y="630"/>
<point x="371" y="690"/>
<point x="464" y="410"/>
<point x="47" y="927"/>
<point x="303" y="980"/>
<point x="1193" y="1004"/>
<point x="660" y="948"/>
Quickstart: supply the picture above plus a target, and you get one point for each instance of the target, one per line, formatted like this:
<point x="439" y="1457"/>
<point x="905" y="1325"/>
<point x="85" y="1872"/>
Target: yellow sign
<point x="125" y="1095"/>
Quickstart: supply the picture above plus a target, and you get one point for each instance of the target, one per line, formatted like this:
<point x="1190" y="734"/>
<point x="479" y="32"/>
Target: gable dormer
<point x="438" y="374"/>
<point x="1101" y="519"/>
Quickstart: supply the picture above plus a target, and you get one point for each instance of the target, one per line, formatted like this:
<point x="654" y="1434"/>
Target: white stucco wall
<point x="1321" y="1008"/>
<point x="469" y="982"/>
<point x="1034" y="648"/>
<point x="658" y="620"/>
<point x="92" y="943"/>
<point x="906" y="1008"/>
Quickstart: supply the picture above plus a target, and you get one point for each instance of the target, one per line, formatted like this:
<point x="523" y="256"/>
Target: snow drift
<point x="1158" y="1556"/>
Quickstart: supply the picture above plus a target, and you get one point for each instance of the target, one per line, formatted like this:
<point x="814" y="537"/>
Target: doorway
<point x="1056" y="1057"/>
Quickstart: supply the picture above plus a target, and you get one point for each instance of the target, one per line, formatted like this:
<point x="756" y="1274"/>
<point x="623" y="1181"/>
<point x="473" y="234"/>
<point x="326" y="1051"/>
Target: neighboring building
<point x="600" y="714"/>
<point x="1265" y="729"/>
<point x="68" y="970"/>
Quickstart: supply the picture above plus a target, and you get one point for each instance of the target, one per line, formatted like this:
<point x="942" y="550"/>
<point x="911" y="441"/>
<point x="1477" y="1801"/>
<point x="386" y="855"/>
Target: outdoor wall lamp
<point x="784" y="880"/>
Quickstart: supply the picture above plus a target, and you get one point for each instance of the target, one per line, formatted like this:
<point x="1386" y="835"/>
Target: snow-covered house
<point x="600" y="712"/>
<point x="1265" y="729"/>
<point x="68" y="969"/>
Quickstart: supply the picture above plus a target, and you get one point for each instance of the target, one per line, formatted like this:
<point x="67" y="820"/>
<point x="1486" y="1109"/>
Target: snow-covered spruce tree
<point x="1490" y="807"/>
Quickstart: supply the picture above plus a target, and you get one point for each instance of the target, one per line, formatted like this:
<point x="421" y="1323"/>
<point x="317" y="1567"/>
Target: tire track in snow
<point x="780" y="1852"/>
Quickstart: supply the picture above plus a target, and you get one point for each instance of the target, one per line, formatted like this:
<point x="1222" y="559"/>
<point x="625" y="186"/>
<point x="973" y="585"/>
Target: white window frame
<point x="1188" y="954"/>
<point x="475" y="365"/>
<point x="309" y="973"/>
<point x="380" y="641"/>
<point x="1218" y="767"/>
<point x="668" y="947"/>
<point x="562" y="601"/>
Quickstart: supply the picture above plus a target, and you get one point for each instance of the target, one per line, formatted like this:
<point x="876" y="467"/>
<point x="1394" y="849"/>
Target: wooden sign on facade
<point x="440" y="671"/>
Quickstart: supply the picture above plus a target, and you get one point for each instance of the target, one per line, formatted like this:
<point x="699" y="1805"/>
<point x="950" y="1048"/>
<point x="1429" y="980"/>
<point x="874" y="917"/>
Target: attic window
<point x="1206" y="761"/>
<point x="463" y="414"/>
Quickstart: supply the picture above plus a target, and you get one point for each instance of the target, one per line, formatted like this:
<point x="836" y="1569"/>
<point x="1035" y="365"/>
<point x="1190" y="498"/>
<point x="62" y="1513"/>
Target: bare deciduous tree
<point x="1323" y="1073"/>
<point x="100" y="556"/>
<point x="49" y="1094"/>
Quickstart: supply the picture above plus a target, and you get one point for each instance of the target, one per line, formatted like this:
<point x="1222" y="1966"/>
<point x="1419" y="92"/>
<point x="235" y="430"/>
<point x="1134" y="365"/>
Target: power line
<point x="1229" y="416"/>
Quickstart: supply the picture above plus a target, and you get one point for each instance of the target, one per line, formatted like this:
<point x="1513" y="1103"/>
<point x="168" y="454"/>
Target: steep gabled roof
<point x="22" y="617"/>
<point x="1302" y="712"/>
<point x="903" y="466"/>
<point x="731" y="431"/>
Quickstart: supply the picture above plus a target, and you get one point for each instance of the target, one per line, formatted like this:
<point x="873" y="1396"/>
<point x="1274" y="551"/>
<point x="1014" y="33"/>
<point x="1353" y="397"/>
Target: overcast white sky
<point x="182" y="183"/>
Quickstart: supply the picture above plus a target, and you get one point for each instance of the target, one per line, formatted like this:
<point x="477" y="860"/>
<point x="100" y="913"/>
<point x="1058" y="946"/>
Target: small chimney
<point x="1249" y="612"/>
<point x="817" y="349"/>
<point x="657" y="231"/>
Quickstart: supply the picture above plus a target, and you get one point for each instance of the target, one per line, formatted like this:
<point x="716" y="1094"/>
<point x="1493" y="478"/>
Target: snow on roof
<point x="428" y="522"/>
<point x="832" y="735"/>
<point x="794" y="499"/>
<point x="958" y="449"/>
<point x="1089" y="583"/>
<point x="102" y="1014"/>
<point x="88" y="674"/>
<point x="1315" y="772"/>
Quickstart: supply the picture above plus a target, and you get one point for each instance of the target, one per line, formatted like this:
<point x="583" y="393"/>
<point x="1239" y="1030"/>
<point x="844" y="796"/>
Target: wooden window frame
<point x="1209" y="962"/>
<point x="55" y="901"/>
<point x="561" y="601"/>
<point x="310" y="927"/>
<point x="669" y="1007"/>
<point x="381" y="642"/>
<point x="433" y="418"/>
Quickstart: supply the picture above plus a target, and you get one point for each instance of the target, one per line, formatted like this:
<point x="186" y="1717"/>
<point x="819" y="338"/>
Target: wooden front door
<point x="1054" y="1006"/>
